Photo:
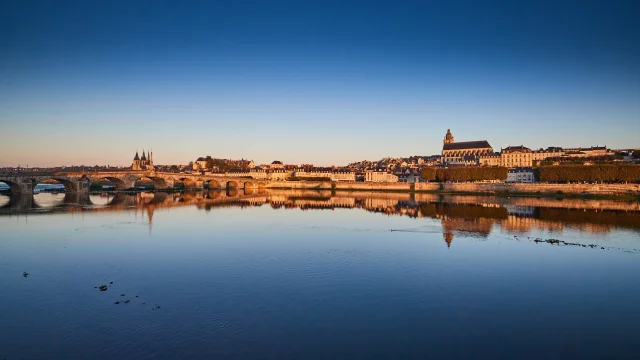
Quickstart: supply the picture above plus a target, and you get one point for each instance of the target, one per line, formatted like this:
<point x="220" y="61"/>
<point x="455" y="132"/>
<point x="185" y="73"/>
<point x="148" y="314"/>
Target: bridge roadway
<point x="73" y="182"/>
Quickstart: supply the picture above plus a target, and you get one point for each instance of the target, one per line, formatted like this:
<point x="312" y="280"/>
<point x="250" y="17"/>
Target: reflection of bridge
<point x="71" y="202"/>
<point x="80" y="182"/>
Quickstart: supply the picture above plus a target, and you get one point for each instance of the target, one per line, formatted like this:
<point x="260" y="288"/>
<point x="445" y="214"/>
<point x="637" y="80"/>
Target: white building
<point x="521" y="175"/>
<point x="379" y="175"/>
<point x="279" y="174"/>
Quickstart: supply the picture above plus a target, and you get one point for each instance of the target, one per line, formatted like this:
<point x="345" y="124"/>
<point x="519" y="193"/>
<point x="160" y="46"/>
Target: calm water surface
<point x="275" y="275"/>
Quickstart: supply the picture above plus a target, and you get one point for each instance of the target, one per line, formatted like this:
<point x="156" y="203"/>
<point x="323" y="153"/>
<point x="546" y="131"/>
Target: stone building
<point x="142" y="163"/>
<point x="201" y="163"/>
<point x="313" y="172"/>
<point x="279" y="174"/>
<point x="343" y="175"/>
<point x="276" y="165"/>
<point x="516" y="156"/>
<point x="379" y="175"/>
<point x="466" y="152"/>
<point x="255" y="173"/>
<point x="333" y="174"/>
<point x="489" y="160"/>
<point x="543" y="154"/>
<point x="588" y="152"/>
<point x="407" y="177"/>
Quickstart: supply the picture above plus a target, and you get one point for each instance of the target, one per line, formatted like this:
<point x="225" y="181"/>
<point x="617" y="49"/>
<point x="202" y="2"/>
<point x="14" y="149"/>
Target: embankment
<point x="471" y="188"/>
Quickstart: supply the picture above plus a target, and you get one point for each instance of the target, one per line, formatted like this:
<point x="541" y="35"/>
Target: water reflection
<point x="470" y="214"/>
<point x="324" y="275"/>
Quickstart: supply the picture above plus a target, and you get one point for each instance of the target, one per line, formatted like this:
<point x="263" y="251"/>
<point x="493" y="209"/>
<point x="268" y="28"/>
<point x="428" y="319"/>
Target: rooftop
<point x="516" y="148"/>
<point x="482" y="144"/>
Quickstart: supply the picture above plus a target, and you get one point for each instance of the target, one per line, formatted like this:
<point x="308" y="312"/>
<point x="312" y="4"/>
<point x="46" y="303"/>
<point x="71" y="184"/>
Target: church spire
<point x="136" y="157"/>
<point x="144" y="157"/>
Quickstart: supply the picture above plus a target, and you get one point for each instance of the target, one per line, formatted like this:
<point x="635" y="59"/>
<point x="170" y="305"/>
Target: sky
<point x="321" y="82"/>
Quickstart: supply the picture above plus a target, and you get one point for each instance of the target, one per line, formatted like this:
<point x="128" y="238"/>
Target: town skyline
<point x="148" y="153"/>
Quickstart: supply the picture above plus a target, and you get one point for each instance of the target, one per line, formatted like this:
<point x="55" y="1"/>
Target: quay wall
<point x="598" y="189"/>
<point x="489" y="188"/>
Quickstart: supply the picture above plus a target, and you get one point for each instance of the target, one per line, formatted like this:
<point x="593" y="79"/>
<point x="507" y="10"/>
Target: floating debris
<point x="126" y="302"/>
<point x="103" y="288"/>
<point x="117" y="302"/>
<point x="110" y="282"/>
<point x="123" y="294"/>
<point x="25" y="274"/>
<point x="593" y="246"/>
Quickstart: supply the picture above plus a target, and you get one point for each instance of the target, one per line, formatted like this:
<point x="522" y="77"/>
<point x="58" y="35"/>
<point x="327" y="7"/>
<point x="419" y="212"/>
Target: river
<point x="317" y="275"/>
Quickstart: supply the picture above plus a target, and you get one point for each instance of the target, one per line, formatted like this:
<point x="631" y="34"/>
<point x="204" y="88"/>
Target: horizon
<point x="326" y="84"/>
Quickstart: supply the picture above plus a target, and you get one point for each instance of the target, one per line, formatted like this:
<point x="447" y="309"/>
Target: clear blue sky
<point x="323" y="82"/>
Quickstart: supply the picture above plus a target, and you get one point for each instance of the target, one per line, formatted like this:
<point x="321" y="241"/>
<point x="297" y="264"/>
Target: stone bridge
<point x="122" y="180"/>
<point x="18" y="203"/>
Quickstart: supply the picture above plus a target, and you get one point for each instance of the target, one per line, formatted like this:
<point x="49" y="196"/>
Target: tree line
<point x="592" y="173"/>
<point x="464" y="174"/>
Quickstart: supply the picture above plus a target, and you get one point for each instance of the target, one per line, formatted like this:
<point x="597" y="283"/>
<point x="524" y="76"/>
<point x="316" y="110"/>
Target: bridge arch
<point x="213" y="184"/>
<point x="232" y="192"/>
<point x="213" y="194"/>
<point x="188" y="183"/>
<point x="232" y="184"/>
<point x="69" y="186"/>
<point x="14" y="187"/>
<point x="118" y="184"/>
<point x="158" y="183"/>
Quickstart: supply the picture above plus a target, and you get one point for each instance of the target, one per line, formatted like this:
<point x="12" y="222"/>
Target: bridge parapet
<point x="21" y="184"/>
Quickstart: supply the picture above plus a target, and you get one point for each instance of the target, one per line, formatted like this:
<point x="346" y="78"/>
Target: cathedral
<point x="142" y="163"/>
<point x="467" y="152"/>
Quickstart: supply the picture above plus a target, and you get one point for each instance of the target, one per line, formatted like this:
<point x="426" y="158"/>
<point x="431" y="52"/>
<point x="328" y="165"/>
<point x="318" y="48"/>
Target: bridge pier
<point x="19" y="185"/>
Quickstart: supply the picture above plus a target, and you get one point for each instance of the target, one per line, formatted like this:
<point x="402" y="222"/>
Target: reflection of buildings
<point x="448" y="238"/>
<point x="476" y="226"/>
<point x="521" y="210"/>
<point x="471" y="215"/>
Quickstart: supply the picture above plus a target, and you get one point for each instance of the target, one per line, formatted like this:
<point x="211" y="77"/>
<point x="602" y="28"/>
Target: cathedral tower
<point x="448" y="139"/>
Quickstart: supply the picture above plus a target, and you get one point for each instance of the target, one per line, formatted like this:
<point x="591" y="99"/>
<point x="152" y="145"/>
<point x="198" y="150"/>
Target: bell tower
<point x="448" y="139"/>
<point x="135" y="165"/>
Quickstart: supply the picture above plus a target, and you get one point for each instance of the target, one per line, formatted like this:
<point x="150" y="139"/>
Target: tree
<point x="429" y="174"/>
<point x="602" y="173"/>
<point x="636" y="154"/>
<point x="472" y="174"/>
